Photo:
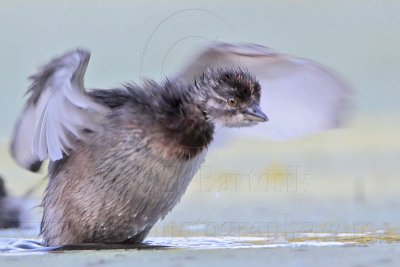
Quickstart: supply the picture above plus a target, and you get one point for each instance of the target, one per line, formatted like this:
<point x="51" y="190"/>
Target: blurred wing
<point x="299" y="96"/>
<point x="56" y="113"/>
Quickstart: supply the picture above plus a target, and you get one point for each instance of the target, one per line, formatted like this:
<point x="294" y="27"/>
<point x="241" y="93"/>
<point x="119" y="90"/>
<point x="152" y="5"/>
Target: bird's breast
<point x="144" y="187"/>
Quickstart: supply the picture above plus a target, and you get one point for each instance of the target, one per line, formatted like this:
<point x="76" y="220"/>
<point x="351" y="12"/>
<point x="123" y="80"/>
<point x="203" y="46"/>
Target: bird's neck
<point x="182" y="127"/>
<point x="192" y="128"/>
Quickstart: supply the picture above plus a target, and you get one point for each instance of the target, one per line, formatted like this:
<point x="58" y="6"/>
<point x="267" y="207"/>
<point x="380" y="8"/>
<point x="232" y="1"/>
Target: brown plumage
<point x="121" y="159"/>
<point x="119" y="176"/>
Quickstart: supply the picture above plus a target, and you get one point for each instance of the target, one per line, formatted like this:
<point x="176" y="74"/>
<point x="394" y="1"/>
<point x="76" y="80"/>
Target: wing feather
<point x="299" y="96"/>
<point x="56" y="112"/>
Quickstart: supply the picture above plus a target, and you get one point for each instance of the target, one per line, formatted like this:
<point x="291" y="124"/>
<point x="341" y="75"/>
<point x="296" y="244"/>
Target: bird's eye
<point x="232" y="102"/>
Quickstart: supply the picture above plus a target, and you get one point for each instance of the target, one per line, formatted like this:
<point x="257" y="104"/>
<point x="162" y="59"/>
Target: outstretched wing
<point x="57" y="112"/>
<point x="299" y="96"/>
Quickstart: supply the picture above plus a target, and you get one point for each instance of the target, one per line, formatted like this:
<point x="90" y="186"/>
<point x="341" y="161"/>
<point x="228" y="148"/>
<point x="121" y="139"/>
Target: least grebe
<point x="121" y="159"/>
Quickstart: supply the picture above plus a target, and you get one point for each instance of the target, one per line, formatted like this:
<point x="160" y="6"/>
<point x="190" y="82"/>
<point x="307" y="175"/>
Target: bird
<point x="121" y="159"/>
<point x="14" y="211"/>
<point x="9" y="215"/>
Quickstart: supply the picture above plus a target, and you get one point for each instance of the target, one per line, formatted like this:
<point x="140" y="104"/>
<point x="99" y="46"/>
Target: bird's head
<point x="232" y="97"/>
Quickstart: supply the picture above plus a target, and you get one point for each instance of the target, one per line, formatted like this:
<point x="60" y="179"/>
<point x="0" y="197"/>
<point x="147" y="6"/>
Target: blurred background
<point x="342" y="181"/>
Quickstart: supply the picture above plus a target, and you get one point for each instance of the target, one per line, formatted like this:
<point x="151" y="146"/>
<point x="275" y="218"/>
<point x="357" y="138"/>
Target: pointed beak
<point x="254" y="113"/>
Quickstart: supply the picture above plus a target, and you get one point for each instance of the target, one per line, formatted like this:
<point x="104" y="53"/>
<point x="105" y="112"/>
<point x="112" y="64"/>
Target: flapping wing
<point x="56" y="113"/>
<point x="299" y="96"/>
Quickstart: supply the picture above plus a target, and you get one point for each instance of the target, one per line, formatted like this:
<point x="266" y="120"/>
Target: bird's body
<point x="137" y="167"/>
<point x="121" y="159"/>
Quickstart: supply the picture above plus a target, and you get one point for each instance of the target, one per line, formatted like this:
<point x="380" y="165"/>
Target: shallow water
<point x="309" y="249"/>
<point x="22" y="247"/>
<point x="13" y="246"/>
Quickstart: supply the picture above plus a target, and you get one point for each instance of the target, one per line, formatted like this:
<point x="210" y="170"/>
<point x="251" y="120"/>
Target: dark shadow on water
<point x="101" y="246"/>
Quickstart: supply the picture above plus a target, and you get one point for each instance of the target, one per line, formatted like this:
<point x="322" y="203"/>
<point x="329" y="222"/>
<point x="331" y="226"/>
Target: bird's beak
<point x="254" y="113"/>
